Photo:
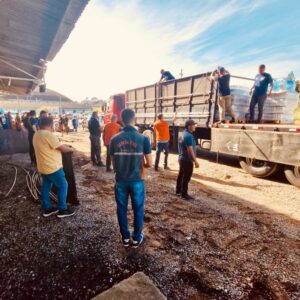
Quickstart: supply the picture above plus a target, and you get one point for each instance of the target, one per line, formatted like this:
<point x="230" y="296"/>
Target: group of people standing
<point x="130" y="153"/>
<point x="7" y="121"/>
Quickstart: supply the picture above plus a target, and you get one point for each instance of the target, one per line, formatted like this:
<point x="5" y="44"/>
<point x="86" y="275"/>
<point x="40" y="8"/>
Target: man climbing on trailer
<point x="187" y="159"/>
<point x="259" y="95"/>
<point x="225" y="99"/>
<point x="165" y="76"/>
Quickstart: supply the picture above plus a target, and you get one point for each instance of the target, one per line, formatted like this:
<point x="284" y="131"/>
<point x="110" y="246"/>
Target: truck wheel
<point x="258" y="168"/>
<point x="292" y="174"/>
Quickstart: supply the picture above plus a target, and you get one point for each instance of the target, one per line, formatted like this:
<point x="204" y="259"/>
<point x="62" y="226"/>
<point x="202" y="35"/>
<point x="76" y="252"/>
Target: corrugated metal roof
<point x="31" y="33"/>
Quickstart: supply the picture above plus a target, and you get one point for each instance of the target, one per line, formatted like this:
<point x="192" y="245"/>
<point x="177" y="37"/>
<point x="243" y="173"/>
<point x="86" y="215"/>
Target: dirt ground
<point x="239" y="239"/>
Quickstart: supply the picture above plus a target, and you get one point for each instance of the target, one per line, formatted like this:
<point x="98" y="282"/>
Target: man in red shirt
<point x="110" y="130"/>
<point x="162" y="134"/>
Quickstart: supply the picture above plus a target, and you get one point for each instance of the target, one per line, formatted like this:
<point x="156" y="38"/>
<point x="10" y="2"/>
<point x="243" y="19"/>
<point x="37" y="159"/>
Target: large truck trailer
<point x="261" y="148"/>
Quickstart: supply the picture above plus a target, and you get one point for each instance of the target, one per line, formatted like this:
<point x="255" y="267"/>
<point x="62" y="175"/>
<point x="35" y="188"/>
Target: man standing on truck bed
<point x="165" y="76"/>
<point x="131" y="153"/>
<point x="225" y="104"/>
<point x="259" y="95"/>
<point x="187" y="158"/>
<point x="110" y="130"/>
<point x="95" y="133"/>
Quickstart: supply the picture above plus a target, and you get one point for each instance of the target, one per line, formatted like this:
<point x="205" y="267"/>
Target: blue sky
<point x="118" y="44"/>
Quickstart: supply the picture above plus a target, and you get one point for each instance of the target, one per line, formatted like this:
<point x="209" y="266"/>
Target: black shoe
<point x="232" y="120"/>
<point x="178" y="193"/>
<point x="66" y="213"/>
<point x="101" y="164"/>
<point x="188" y="197"/>
<point x="136" y="244"/>
<point x="126" y="242"/>
<point x="166" y="168"/>
<point x="156" y="169"/>
<point x="50" y="212"/>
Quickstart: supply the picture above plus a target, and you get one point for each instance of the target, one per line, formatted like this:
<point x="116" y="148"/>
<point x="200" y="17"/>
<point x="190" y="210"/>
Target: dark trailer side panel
<point x="272" y="146"/>
<point x="190" y="97"/>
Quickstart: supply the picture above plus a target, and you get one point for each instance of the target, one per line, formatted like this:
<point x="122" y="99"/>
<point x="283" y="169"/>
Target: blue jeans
<point x="59" y="180"/>
<point x="136" y="190"/>
<point x="161" y="147"/>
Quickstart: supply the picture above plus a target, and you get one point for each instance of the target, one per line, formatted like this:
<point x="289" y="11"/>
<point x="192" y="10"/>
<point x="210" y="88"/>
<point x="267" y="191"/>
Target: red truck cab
<point x="115" y="106"/>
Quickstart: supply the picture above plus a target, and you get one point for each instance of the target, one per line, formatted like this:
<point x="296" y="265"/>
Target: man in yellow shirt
<point x="48" y="151"/>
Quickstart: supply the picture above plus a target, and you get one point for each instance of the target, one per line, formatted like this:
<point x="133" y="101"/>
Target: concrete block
<point x="137" y="287"/>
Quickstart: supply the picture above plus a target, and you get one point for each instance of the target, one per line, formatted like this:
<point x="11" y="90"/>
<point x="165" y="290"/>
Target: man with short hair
<point x="95" y="134"/>
<point x="43" y="114"/>
<point x="187" y="159"/>
<point x="225" y="99"/>
<point x="162" y="136"/>
<point x="75" y="123"/>
<point x="110" y="130"/>
<point x="259" y="95"/>
<point x="131" y="153"/>
<point x="49" y="163"/>
<point x="166" y="76"/>
<point x="31" y="124"/>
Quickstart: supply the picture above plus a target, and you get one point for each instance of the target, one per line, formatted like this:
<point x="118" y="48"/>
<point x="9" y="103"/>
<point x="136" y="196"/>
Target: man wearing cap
<point x="187" y="159"/>
<point x="259" y="95"/>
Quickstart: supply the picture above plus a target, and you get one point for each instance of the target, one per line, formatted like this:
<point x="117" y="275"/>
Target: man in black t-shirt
<point x="259" y="95"/>
<point x="225" y="103"/>
<point x="95" y="134"/>
<point x="31" y="124"/>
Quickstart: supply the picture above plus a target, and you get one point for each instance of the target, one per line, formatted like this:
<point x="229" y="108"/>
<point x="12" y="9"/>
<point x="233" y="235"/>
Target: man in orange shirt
<point x="162" y="134"/>
<point x="110" y="130"/>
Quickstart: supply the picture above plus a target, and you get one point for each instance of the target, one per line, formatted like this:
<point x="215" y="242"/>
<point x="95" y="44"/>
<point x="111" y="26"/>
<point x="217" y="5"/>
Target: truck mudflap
<point x="277" y="147"/>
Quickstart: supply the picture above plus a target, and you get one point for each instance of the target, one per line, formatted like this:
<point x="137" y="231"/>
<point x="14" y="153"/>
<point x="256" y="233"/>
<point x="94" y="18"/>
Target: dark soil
<point x="210" y="248"/>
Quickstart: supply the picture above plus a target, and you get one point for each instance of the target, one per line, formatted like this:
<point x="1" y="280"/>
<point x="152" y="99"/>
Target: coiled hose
<point x="33" y="182"/>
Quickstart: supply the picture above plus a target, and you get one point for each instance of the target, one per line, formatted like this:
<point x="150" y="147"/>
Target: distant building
<point x="51" y="101"/>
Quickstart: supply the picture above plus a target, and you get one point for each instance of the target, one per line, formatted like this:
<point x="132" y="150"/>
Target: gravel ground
<point x="239" y="239"/>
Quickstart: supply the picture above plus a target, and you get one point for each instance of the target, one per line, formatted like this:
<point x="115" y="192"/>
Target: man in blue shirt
<point x="131" y="153"/>
<point x="166" y="76"/>
<point x="259" y="95"/>
<point x="187" y="159"/>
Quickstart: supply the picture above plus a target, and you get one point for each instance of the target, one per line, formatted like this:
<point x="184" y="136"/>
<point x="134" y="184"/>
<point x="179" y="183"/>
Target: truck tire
<point x="258" y="168"/>
<point x="292" y="174"/>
